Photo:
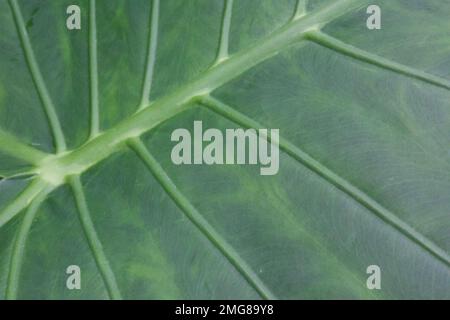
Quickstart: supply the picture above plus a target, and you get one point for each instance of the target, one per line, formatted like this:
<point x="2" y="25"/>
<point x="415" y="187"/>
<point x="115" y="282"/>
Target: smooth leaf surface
<point x="364" y="177"/>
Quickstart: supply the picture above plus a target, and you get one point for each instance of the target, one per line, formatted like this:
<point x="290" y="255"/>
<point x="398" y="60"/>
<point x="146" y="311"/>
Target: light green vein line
<point x="345" y="186"/>
<point x="151" y="55"/>
<point x="225" y="32"/>
<point x="197" y="219"/>
<point x="300" y="9"/>
<point x="172" y="104"/>
<point x="93" y="71"/>
<point x="11" y="145"/>
<point x="356" y="53"/>
<point x="18" y="251"/>
<point x="38" y="80"/>
<point x="93" y="240"/>
<point x="22" y="201"/>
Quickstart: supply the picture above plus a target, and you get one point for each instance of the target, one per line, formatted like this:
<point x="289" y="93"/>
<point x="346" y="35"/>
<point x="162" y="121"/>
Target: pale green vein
<point x="93" y="240"/>
<point x="198" y="220"/>
<point x="222" y="53"/>
<point x="300" y="9"/>
<point x="151" y="55"/>
<point x="18" y="251"/>
<point x="38" y="80"/>
<point x="169" y="106"/>
<point x="22" y="201"/>
<point x="356" y="53"/>
<point x="339" y="182"/>
<point x="12" y="146"/>
<point x="93" y="71"/>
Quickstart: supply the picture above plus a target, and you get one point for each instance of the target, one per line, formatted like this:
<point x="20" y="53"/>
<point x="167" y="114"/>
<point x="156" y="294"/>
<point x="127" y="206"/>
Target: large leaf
<point x="86" y="117"/>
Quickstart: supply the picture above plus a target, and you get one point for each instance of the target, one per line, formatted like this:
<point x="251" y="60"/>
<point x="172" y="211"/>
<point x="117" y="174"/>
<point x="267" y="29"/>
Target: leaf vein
<point x="300" y="9"/>
<point x="174" y="103"/>
<point x="18" y="252"/>
<point x="222" y="53"/>
<point x="94" y="242"/>
<point x="38" y="80"/>
<point x="362" y="55"/>
<point x="198" y="220"/>
<point x="328" y="175"/>
<point x="151" y="54"/>
<point x="22" y="201"/>
<point x="93" y="71"/>
<point x="13" y="146"/>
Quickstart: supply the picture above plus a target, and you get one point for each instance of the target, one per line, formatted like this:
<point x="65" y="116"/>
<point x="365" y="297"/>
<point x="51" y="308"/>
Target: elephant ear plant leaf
<point x="88" y="184"/>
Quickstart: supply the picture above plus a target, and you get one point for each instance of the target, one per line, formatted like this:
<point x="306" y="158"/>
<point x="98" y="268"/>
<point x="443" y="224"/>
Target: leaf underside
<point x="85" y="123"/>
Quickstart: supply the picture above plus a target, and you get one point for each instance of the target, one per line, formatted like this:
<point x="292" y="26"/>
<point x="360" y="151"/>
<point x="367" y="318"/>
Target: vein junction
<point x="107" y="142"/>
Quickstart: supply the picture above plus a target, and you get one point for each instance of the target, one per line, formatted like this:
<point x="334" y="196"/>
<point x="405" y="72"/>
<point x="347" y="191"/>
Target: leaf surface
<point x="85" y="124"/>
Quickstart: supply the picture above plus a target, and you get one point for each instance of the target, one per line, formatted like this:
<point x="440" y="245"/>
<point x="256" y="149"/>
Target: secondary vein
<point x="12" y="146"/>
<point x="93" y="240"/>
<point x="339" y="182"/>
<point x="356" y="53"/>
<point x="198" y="220"/>
<point x="22" y="201"/>
<point x="93" y="71"/>
<point x="38" y="80"/>
<point x="300" y="8"/>
<point x="18" y="251"/>
<point x="151" y="55"/>
<point x="222" y="53"/>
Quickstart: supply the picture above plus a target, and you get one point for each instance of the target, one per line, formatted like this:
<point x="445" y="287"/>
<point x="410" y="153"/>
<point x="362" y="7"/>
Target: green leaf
<point x="85" y="123"/>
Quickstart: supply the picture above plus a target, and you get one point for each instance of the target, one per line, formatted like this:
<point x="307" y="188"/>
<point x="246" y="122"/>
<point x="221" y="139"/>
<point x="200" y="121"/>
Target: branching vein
<point x="93" y="240"/>
<point x="12" y="146"/>
<point x="356" y="53"/>
<point x="198" y="220"/>
<point x="151" y="54"/>
<point x="222" y="53"/>
<point x="37" y="78"/>
<point x="22" y="201"/>
<point x="19" y="245"/>
<point x="339" y="182"/>
<point x="300" y="9"/>
<point x="93" y="71"/>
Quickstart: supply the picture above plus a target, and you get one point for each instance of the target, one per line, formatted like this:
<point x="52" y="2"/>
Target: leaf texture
<point x="85" y="124"/>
